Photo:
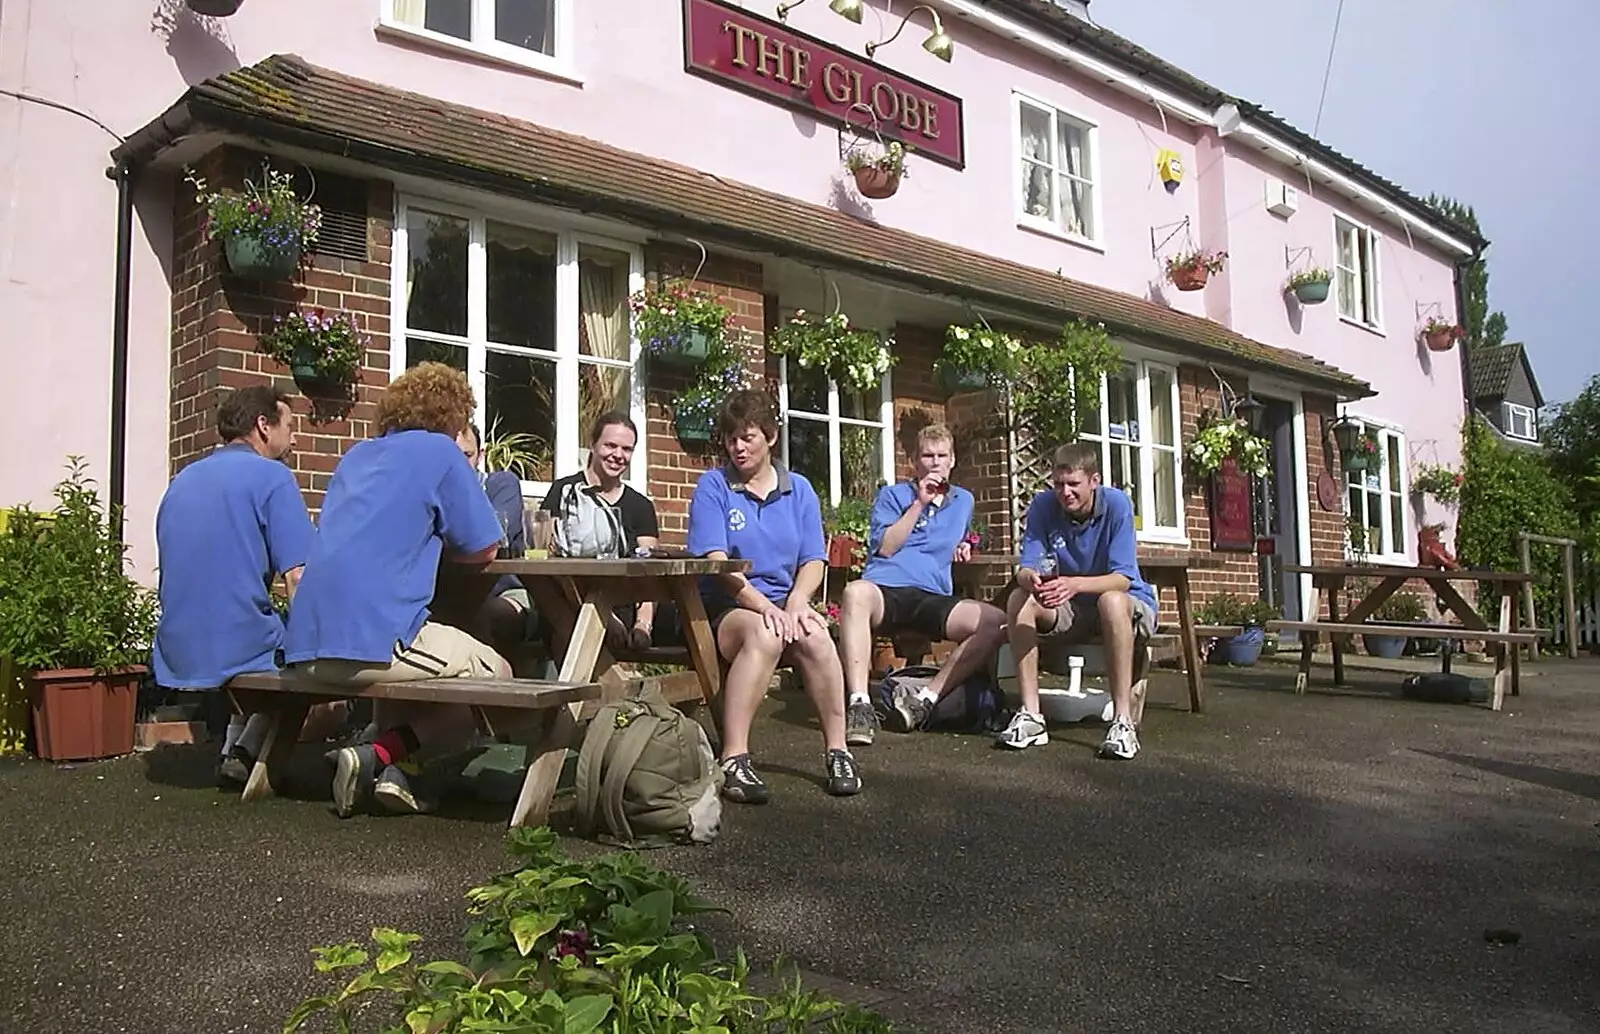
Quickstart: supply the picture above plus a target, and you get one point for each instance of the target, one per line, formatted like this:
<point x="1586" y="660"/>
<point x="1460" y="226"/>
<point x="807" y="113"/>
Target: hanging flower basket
<point x="1440" y="336"/>
<point x="1358" y="447"/>
<point x="1191" y="270"/>
<point x="856" y="359"/>
<point x="685" y="349"/>
<point x="1219" y="438"/>
<point x="877" y="176"/>
<point x="1310" y="286"/>
<point x="215" y="8"/>
<point x="680" y="326"/>
<point x="252" y="258"/>
<point x="316" y="345"/>
<point x="692" y="426"/>
<point x="976" y="356"/>
<point x="958" y="379"/>
<point x="264" y="228"/>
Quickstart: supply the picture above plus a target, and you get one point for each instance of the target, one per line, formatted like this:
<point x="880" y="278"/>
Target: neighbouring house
<point x="497" y="178"/>
<point x="1507" y="393"/>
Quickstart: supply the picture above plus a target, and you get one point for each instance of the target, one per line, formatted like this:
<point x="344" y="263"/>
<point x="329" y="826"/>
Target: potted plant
<point x="1442" y="483"/>
<point x="263" y="228"/>
<point x="1189" y="270"/>
<point x="848" y="526"/>
<point x="75" y="622"/>
<point x="1250" y="615"/>
<point x="677" y="324"/>
<point x="976" y="357"/>
<point x="694" y="413"/>
<point x="1221" y="437"/>
<point x="977" y="536"/>
<point x="856" y="359"/>
<point x="1310" y="286"/>
<point x="1401" y="607"/>
<point x="315" y="345"/>
<point x="1438" y="335"/>
<point x="878" y="175"/>
<point x="1358" y="448"/>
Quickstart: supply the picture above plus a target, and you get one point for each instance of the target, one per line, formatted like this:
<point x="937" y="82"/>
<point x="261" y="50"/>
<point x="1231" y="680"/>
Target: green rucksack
<point x="646" y="776"/>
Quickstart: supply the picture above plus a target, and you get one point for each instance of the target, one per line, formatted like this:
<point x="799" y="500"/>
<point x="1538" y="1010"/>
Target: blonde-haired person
<point x="395" y="505"/>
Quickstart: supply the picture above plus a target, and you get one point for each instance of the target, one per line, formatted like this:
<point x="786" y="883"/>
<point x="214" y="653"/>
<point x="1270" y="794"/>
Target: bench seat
<point x="1527" y="635"/>
<point x="512" y="693"/>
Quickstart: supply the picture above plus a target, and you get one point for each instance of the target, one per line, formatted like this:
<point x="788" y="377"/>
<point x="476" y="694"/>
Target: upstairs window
<point x="520" y="31"/>
<point x="1357" y="273"/>
<point x="1519" y="422"/>
<point x="1057" y="162"/>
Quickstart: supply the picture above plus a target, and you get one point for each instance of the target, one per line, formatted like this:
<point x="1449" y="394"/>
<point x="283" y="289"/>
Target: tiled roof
<point x="287" y="100"/>
<point x="1054" y="21"/>
<point x="1492" y="369"/>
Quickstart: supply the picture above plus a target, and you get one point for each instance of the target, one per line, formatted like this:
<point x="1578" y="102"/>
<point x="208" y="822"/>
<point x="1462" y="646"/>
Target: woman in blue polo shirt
<point x="752" y="508"/>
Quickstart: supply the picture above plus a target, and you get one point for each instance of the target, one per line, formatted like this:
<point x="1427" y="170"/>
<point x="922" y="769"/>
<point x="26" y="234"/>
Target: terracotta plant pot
<point x="79" y="715"/>
<point x="1190" y="278"/>
<point x="875" y="182"/>
<point x="1440" y="340"/>
<point x="842" y="551"/>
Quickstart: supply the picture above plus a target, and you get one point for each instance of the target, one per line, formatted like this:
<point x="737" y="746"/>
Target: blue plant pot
<point x="687" y="348"/>
<point x="1388" y="646"/>
<point x="1243" y="649"/>
<point x="957" y="380"/>
<point x="252" y="259"/>
<point x="1311" y="294"/>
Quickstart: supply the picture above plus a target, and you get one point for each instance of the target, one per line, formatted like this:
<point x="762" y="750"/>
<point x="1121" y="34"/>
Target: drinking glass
<point x="538" y="529"/>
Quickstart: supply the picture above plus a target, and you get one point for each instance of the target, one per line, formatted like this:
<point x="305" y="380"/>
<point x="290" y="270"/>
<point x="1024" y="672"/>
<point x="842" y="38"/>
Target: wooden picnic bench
<point x="524" y="711"/>
<point x="1506" y="637"/>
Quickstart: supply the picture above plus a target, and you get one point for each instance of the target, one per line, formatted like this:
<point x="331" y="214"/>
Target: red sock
<point x="389" y="747"/>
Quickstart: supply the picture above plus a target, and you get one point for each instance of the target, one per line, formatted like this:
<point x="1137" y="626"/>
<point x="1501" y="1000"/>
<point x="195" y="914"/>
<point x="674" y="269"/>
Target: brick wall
<point x="673" y="468"/>
<point x="216" y="318"/>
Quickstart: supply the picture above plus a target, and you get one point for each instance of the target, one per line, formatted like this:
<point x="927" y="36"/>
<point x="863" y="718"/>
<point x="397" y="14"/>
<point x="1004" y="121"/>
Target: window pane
<point x="1073" y="160"/>
<point x="860" y="462"/>
<point x="808" y="389"/>
<point x="521" y="400"/>
<point x="1166" y="488"/>
<point x="450" y="17"/>
<point x="860" y="405"/>
<point x="1161" y="408"/>
<point x="1125" y="475"/>
<point x="521" y="287"/>
<point x="808" y="453"/>
<point x="603" y="389"/>
<point x="435" y="352"/>
<point x="1393" y="455"/>
<point x="1122" y="405"/>
<point x="603" y="302"/>
<point x="1347" y="293"/>
<point x="436" y="261"/>
<point x="1037" y="179"/>
<point x="529" y="24"/>
<point x="1397" y="525"/>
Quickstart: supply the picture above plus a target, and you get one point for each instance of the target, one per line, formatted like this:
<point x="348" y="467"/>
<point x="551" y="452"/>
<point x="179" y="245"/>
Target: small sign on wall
<point x="1232" y="529"/>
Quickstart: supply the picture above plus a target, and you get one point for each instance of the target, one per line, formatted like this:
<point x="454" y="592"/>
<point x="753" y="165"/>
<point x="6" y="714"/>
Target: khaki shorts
<point x="438" y="652"/>
<point x="1078" y="622"/>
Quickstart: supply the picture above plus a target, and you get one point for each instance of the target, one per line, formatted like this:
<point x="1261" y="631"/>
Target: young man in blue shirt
<point x="1077" y="579"/>
<point x="753" y="509"/>
<point x="918" y="527"/>
<point x="227" y="526"/>
<point x="395" y="505"/>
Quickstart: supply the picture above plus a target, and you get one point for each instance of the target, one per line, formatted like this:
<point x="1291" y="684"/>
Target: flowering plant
<point x="978" y="349"/>
<point x="1440" y="482"/>
<point x="828" y="609"/>
<point x="314" y="343"/>
<point x="722" y="374"/>
<point x="665" y="315"/>
<point x="1435" y="325"/>
<point x="1361" y="442"/>
<point x="1220" y="438"/>
<point x="269" y="211"/>
<point x="1211" y="262"/>
<point x="857" y="359"/>
<point x="1314" y="275"/>
<point x="977" y="536"/>
<point x="891" y="161"/>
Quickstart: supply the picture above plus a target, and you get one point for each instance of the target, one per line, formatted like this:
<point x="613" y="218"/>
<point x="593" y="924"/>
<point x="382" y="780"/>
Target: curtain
<point x="1036" y="175"/>
<point x="411" y="12"/>
<point x="1074" y="192"/>
<point x="604" y="313"/>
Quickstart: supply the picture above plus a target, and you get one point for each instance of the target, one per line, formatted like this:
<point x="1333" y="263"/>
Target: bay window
<point x="1139" y="434"/>
<point x="842" y="440"/>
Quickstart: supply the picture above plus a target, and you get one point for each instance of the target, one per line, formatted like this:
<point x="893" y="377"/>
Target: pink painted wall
<point x="124" y="63"/>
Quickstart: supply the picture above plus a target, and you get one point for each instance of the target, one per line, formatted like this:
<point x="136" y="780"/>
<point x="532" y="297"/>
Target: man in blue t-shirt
<point x="1077" y="578"/>
<point x="917" y="528"/>
<point x="227" y="526"/>
<point x="395" y="505"/>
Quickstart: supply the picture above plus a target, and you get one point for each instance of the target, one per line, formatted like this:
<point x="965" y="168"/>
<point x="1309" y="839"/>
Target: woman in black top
<point x="611" y="443"/>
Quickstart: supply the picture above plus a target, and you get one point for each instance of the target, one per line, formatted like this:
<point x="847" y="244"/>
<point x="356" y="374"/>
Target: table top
<point x="632" y="567"/>
<point x="1165" y="563"/>
<point x="1399" y="571"/>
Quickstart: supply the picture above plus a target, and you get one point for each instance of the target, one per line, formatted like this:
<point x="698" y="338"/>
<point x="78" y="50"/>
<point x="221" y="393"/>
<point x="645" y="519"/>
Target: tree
<point x="1483" y="329"/>
<point x="1572" y="441"/>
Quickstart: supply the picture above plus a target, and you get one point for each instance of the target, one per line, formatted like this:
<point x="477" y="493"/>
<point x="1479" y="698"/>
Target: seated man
<point x="228" y="525"/>
<point x="752" y="508"/>
<point x="1077" y="579"/>
<point x="503" y="619"/>
<point x="918" y="527"/>
<point x="395" y="503"/>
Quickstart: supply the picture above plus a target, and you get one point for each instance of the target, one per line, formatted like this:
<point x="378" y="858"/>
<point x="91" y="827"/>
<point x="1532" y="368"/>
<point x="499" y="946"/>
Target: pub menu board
<point x="1232" y="529"/>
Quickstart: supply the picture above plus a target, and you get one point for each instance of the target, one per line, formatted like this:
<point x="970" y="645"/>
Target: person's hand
<point x="638" y="638"/>
<point x="963" y="551"/>
<point x="781" y="623"/>
<point x="928" y="489"/>
<point x="807" y="622"/>
<point x="1055" y="592"/>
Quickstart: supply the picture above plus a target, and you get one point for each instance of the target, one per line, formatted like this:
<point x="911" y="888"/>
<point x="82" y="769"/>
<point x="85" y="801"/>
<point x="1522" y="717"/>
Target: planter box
<point x="79" y="715"/>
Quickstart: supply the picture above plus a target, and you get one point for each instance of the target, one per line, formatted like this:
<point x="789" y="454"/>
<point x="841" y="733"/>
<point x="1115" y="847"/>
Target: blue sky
<point x="1482" y="100"/>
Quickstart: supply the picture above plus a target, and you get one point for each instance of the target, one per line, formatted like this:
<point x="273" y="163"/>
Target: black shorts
<point x="915" y="610"/>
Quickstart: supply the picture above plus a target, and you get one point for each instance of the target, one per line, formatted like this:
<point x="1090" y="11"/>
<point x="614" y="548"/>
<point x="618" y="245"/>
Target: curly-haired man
<point x="395" y="504"/>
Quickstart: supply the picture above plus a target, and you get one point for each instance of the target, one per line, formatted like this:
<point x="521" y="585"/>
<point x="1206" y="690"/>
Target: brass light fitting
<point x="939" y="44"/>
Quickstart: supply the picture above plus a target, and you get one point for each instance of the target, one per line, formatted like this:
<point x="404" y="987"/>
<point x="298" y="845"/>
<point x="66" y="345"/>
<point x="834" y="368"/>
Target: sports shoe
<point x="1121" y="742"/>
<point x="393" y="791"/>
<point x="860" y="724"/>
<point x="233" y="771"/>
<point x="908" y="711"/>
<point x="844" y="779"/>
<point x="354" y="772"/>
<point x="740" y="782"/>
<point x="1026" y="730"/>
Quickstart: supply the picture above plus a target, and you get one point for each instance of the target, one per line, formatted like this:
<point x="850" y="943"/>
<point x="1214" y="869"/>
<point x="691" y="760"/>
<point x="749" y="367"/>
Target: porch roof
<point x="284" y="99"/>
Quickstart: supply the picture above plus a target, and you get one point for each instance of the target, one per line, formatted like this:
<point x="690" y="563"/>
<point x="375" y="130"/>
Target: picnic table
<point x="1469" y="624"/>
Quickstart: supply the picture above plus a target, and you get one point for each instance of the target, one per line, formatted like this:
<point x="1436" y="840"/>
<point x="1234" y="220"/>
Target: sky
<point x="1485" y="101"/>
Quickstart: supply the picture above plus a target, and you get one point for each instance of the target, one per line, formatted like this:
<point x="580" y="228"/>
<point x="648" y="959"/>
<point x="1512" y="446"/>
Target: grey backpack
<point x="646" y="776"/>
<point x="586" y="526"/>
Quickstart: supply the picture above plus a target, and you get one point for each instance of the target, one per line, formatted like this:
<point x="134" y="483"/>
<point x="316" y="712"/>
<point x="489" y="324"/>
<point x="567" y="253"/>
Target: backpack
<point x="647" y="776"/>
<point x="973" y="706"/>
<point x="586" y="526"/>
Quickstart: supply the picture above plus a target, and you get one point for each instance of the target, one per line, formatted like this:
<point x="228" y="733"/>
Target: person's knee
<point x="1018" y="601"/>
<point x="816" y="648"/>
<point x="1116" y="604"/>
<point x="992" y="623"/>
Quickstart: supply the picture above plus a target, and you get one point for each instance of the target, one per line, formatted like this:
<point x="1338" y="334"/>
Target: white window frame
<point x="1368" y="272"/>
<point x="835" y="422"/>
<point x="483" y="43"/>
<point x="1147" y="449"/>
<point x="570" y="443"/>
<point x="1091" y="134"/>
<point x="1511" y="412"/>
<point x="1399" y="539"/>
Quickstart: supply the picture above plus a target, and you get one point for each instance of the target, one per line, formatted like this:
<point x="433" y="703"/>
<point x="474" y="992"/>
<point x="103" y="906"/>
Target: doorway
<point x="1278" y="510"/>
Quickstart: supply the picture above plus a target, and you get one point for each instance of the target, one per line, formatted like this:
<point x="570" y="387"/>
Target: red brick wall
<point x="673" y="469"/>
<point x="216" y="318"/>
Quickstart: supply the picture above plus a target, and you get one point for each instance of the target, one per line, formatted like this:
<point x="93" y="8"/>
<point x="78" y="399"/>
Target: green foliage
<point x="891" y="159"/>
<point x="333" y="345"/>
<point x="1314" y="275"/>
<point x="1400" y="607"/>
<point x="1218" y="438"/>
<point x="66" y="598"/>
<point x="664" y="314"/>
<point x="1210" y="261"/>
<point x="1440" y="482"/>
<point x="1230" y="609"/>
<point x="1057" y="391"/>
<point x="1572" y="441"/>
<point x="853" y="357"/>
<point x="269" y="211"/>
<point x="565" y="947"/>
<point x="1480" y="327"/>
<point x="978" y="349"/>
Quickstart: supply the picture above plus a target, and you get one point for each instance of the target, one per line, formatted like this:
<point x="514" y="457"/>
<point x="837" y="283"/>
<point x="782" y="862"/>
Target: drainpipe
<point x="1466" y="346"/>
<point x="125" y="175"/>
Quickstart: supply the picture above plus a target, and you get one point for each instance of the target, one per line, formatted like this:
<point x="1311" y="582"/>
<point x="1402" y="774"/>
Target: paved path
<point x="1326" y="863"/>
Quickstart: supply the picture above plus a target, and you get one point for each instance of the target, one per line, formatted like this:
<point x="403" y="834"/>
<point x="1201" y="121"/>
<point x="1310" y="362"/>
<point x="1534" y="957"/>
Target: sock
<point x="392" y="746"/>
<point x="859" y="698"/>
<point x="926" y="693"/>
<point x="231" y="736"/>
<point x="254" y="735"/>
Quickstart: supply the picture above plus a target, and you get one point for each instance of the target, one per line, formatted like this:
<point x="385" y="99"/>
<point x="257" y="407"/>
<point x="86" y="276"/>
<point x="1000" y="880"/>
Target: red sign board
<point x="1231" y="526"/>
<point x="773" y="61"/>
